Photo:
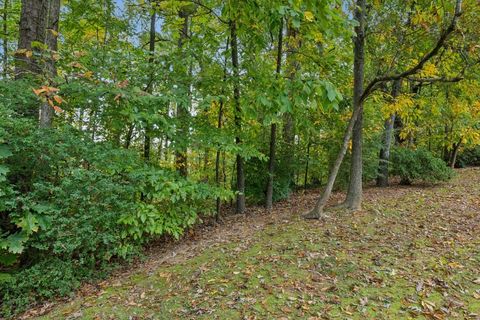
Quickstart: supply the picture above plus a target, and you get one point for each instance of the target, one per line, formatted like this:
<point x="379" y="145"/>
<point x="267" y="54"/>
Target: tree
<point x="240" y="205"/>
<point x="354" y="194"/>
<point x="384" y="156"/>
<point x="355" y="123"/>
<point x="273" y="127"/>
<point x="37" y="44"/>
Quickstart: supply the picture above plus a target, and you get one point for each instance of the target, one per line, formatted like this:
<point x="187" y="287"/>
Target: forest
<point x="240" y="159"/>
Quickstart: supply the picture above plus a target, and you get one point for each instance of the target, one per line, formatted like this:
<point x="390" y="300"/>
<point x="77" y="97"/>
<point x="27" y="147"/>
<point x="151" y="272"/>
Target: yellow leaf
<point x="318" y="36"/>
<point x="88" y="74"/>
<point x="309" y="16"/>
<point x="54" y="32"/>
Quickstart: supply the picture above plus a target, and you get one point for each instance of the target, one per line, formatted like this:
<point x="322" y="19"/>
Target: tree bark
<point x="240" y="204"/>
<point x="218" y="206"/>
<point x="273" y="128"/>
<point x="38" y="23"/>
<point x="453" y="156"/>
<point x="217" y="161"/>
<point x="354" y="194"/>
<point x="181" y="158"/>
<point x="382" y="176"/>
<point x="128" y="138"/>
<point x="6" y="6"/>
<point x="305" y="180"/>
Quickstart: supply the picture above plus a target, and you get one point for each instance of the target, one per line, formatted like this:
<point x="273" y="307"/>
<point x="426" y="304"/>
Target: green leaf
<point x="14" y="242"/>
<point x="28" y="223"/>
<point x="4" y="152"/>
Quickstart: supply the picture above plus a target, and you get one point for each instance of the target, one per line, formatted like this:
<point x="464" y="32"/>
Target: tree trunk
<point x="128" y="138"/>
<point x="181" y="159"/>
<point x="359" y="54"/>
<point x="6" y="6"/>
<point x="240" y="205"/>
<point x="273" y="128"/>
<point x="306" y="164"/>
<point x="147" y="138"/>
<point x="453" y="157"/>
<point x="218" y="206"/>
<point x="38" y="23"/>
<point x="354" y="194"/>
<point x="288" y="119"/>
<point x="382" y="177"/>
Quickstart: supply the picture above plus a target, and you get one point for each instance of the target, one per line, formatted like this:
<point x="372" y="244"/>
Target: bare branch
<point x="436" y="79"/>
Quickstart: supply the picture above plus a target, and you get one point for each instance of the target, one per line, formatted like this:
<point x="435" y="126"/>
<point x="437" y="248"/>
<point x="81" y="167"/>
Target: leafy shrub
<point x="419" y="164"/>
<point x="256" y="178"/>
<point x="45" y="280"/>
<point x="70" y="207"/>
<point x="469" y="157"/>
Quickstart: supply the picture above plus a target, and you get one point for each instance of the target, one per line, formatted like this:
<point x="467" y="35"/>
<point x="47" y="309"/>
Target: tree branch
<point x="436" y="79"/>
<point x="440" y="43"/>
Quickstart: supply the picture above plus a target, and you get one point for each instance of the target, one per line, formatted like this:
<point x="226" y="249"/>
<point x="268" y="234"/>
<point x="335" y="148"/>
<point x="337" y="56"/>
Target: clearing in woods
<point x="412" y="252"/>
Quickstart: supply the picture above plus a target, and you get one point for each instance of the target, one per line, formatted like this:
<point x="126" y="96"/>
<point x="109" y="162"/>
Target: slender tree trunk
<point x="288" y="119"/>
<point x="38" y="23"/>
<point x="273" y="128"/>
<point x="218" y="206"/>
<point x="240" y="205"/>
<point x="453" y="157"/>
<point x="181" y="159"/>
<point x="359" y="54"/>
<point x="128" y="138"/>
<point x="147" y="138"/>
<point x="306" y="164"/>
<point x="6" y="6"/>
<point x="354" y="193"/>
<point x="382" y="177"/>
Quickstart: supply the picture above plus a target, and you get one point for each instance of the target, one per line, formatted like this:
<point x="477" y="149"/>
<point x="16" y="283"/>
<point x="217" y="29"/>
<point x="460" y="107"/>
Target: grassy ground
<point x="410" y="253"/>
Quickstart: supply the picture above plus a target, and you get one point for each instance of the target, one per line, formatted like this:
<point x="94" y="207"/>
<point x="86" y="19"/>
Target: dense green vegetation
<point x="410" y="254"/>
<point x="126" y="122"/>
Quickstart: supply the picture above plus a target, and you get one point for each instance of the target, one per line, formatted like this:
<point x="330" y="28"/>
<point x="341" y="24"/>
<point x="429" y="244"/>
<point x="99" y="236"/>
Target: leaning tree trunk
<point x="240" y="205"/>
<point x="273" y="128"/>
<point x="454" y="154"/>
<point x="354" y="194"/>
<point x="38" y="23"/>
<point x="358" y="66"/>
<point x="359" y="54"/>
<point x="382" y="177"/>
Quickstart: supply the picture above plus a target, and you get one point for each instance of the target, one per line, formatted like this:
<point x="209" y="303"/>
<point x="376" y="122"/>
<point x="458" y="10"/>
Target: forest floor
<point x="412" y="252"/>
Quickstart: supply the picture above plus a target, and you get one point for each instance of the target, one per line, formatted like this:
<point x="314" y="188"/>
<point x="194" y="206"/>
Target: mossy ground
<point x="410" y="253"/>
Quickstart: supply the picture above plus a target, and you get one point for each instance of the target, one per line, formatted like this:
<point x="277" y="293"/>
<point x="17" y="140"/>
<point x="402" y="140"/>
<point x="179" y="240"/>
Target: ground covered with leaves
<point x="412" y="252"/>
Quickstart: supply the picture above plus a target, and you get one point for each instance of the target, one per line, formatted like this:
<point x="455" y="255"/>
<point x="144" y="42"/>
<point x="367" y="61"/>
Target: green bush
<point x="419" y="164"/>
<point x="469" y="157"/>
<point x="256" y="178"/>
<point x="71" y="207"/>
<point x="45" y="280"/>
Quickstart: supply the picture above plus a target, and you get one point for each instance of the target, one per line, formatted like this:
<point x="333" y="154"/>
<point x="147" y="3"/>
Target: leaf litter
<point x="411" y="252"/>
